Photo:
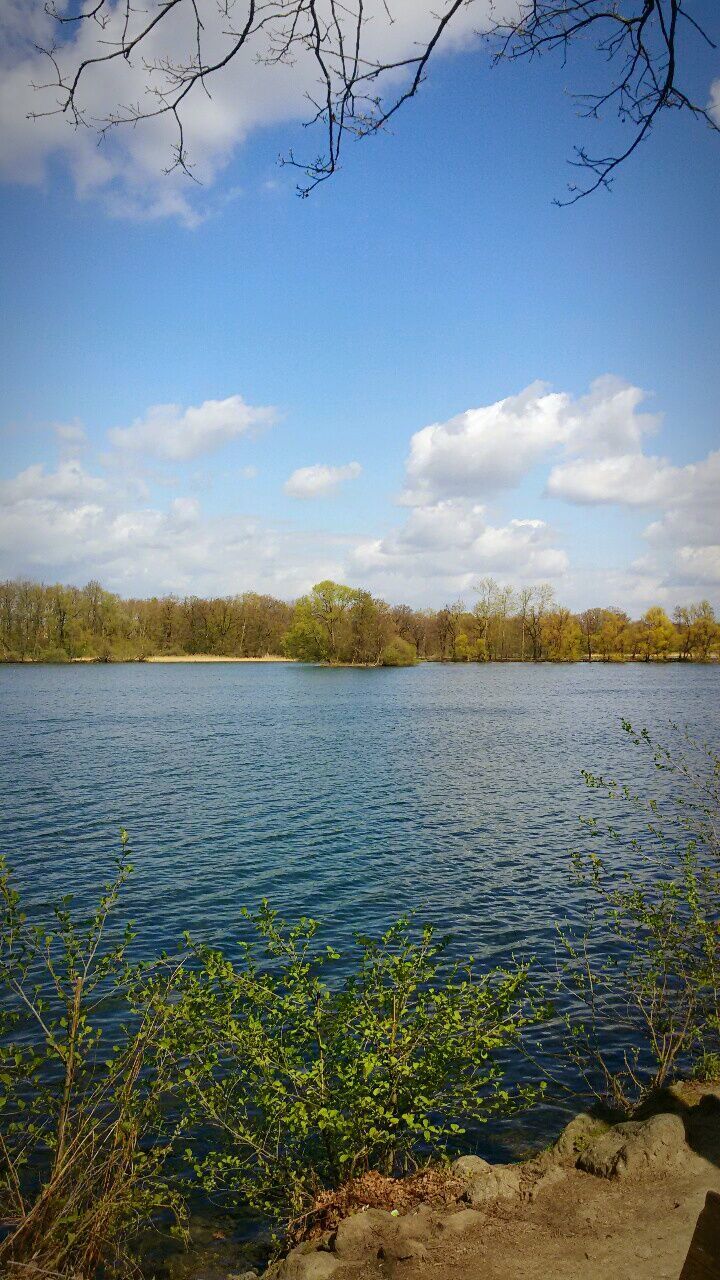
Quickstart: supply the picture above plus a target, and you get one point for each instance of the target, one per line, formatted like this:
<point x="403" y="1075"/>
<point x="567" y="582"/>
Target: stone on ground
<point x="636" y="1148"/>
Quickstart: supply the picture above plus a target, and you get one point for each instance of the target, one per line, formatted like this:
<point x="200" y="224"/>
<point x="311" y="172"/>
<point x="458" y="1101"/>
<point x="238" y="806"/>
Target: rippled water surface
<point x="346" y="794"/>
<point x="349" y="795"/>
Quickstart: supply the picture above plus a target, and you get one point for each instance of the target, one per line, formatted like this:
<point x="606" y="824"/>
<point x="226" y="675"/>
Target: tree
<point x="371" y="629"/>
<point x="590" y="621"/>
<point x="538" y="606"/>
<point x="320" y="631"/>
<point x="683" y="621"/>
<point x="524" y="601"/>
<point x="487" y="589"/>
<point x="704" y="630"/>
<point x="561" y="636"/>
<point x="612" y="637"/>
<point x="359" y="85"/>
<point x="658" y="634"/>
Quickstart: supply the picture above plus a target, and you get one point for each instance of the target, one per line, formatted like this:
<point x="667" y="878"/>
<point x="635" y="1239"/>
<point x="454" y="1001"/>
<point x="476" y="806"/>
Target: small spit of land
<point x="214" y="657"/>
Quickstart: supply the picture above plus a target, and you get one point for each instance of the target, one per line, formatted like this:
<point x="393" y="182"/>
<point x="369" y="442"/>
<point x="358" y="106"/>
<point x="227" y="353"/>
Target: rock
<point x="548" y="1178"/>
<point x="577" y="1135"/>
<point x="365" y="1235"/>
<point x="307" y="1262"/>
<point x="413" y="1231"/>
<point x="635" y="1147"/>
<point x="469" y="1167"/>
<point x="401" y="1249"/>
<point x="420" y="1224"/>
<point x="458" y="1224"/>
<point x="500" y="1182"/>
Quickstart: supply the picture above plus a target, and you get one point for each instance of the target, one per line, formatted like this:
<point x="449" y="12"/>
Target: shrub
<point x="645" y="971"/>
<point x="305" y="642"/>
<point x="399" y="653"/>
<point x="307" y="1081"/>
<point x="52" y="655"/>
<point x="84" y="1133"/>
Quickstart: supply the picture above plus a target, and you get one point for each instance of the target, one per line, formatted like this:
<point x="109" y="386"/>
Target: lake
<point x="349" y="795"/>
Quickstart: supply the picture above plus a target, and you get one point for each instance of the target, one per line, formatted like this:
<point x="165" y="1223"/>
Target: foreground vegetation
<point x="338" y="624"/>
<point x="267" y="1076"/>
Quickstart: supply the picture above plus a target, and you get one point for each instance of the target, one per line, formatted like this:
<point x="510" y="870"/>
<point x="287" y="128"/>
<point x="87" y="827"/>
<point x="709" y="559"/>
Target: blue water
<point x="350" y="795"/>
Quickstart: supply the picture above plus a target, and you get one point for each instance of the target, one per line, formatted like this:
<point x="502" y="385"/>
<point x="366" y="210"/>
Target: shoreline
<point x="204" y="657"/>
<point x="671" y="660"/>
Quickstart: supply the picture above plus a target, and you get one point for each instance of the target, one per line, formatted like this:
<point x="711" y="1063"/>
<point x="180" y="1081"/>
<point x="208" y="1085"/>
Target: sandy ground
<point x="211" y="657"/>
<point x="583" y="1228"/>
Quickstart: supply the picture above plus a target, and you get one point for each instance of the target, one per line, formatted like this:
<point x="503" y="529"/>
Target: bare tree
<point x="524" y="600"/>
<point x="542" y="598"/>
<point x="590" y="622"/>
<point x="640" y="44"/>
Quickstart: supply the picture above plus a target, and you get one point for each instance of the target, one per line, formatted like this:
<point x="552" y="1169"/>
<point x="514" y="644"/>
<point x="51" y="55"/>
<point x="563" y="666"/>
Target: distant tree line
<point x="338" y="624"/>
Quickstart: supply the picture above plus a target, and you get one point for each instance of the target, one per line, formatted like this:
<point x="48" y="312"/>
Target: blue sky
<point x="429" y="280"/>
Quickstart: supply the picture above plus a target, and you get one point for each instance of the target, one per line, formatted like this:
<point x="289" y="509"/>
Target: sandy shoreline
<point x="212" y="657"/>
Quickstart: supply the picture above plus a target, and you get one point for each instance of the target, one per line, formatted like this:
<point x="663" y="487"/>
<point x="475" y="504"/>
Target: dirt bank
<point x="606" y="1203"/>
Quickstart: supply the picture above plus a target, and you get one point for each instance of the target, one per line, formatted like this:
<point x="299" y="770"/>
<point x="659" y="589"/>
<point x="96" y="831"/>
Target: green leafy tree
<point x="658" y="635"/>
<point x="561" y="636"/>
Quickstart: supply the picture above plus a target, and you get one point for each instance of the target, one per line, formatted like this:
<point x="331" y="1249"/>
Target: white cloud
<point x="596" y="443"/>
<point x="175" y="434"/>
<point x="684" y="540"/>
<point x="607" y="421"/>
<point x="71" y="523"/>
<point x="485" y="450"/>
<point x="445" y="547"/>
<point x="128" y="170"/>
<point x="70" y="483"/>
<point x="71" y="434"/>
<point x="631" y="479"/>
<point x="69" y="526"/>
<point x="319" y="481"/>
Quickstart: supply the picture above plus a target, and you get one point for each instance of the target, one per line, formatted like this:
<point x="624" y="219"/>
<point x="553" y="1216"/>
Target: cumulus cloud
<point x="594" y="446"/>
<point x="488" y="449"/>
<point x="175" y="434"/>
<point x="590" y="451"/>
<point x="684" y="541"/>
<point x="631" y="479"/>
<point x="320" y="480"/>
<point x="128" y="171"/>
<point x="71" y="434"/>
<point x="70" y="483"/>
<point x="445" y="547"/>
<point x="69" y="526"/>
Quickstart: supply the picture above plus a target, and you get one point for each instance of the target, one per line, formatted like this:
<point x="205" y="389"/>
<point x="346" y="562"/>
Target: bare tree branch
<point x="358" y="92"/>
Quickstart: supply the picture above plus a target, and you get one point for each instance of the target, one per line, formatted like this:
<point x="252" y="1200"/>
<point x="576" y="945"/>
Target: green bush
<point x="399" y="653"/>
<point x="306" y="1079"/>
<point x="84" y="1130"/>
<point x="644" y="972"/>
<point x="305" y="642"/>
<point x="54" y="655"/>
